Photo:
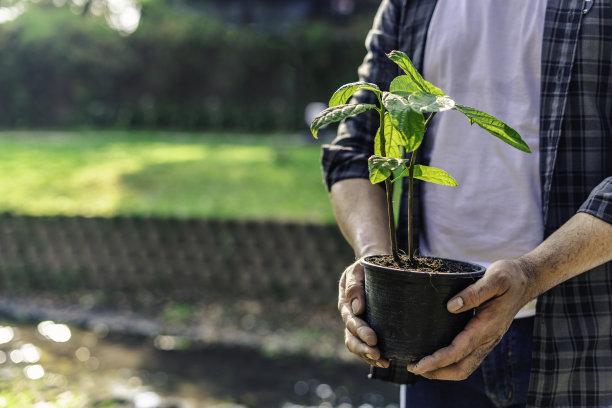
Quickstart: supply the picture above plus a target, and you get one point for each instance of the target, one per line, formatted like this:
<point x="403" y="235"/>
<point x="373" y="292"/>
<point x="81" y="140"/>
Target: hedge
<point x="181" y="69"/>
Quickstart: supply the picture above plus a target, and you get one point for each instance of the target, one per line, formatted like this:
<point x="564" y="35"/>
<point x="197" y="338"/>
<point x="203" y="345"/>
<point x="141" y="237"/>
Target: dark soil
<point x="423" y="264"/>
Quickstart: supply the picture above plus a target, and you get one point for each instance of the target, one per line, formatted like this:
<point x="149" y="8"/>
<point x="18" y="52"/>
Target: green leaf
<point x="381" y="168"/>
<point x="342" y="94"/>
<point x="431" y="174"/>
<point x="394" y="140"/>
<point x="414" y="80"/>
<point x="409" y="122"/>
<point x="336" y="114"/>
<point x="404" y="85"/>
<point x="494" y="126"/>
<point x="426" y="102"/>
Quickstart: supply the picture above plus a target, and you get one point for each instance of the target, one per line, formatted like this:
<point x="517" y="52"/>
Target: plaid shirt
<point x="572" y="357"/>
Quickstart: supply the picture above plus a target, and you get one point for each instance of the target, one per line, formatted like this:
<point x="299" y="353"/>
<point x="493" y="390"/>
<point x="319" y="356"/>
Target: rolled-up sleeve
<point x="599" y="203"/>
<point x="347" y="156"/>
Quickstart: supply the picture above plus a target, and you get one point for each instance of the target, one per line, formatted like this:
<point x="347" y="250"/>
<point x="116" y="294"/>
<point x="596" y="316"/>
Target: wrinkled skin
<point x="584" y="242"/>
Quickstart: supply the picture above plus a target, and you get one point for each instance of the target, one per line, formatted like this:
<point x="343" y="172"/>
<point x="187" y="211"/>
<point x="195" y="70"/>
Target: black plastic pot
<point x="407" y="309"/>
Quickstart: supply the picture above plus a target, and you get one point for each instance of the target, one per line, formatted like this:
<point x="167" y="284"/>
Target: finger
<point x="342" y="291"/>
<point x="474" y="336"/>
<point x="462" y="369"/>
<point x="354" y="288"/>
<point x="370" y="355"/>
<point x="488" y="287"/>
<point x="357" y="326"/>
<point x="356" y="346"/>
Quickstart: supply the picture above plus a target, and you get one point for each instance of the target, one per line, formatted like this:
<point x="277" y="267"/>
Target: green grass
<point x="221" y="176"/>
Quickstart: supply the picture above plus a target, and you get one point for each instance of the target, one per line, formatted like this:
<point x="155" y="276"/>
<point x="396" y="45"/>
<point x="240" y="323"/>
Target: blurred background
<point x="165" y="236"/>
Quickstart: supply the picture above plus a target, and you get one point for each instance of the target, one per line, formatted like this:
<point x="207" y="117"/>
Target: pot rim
<point x="458" y="275"/>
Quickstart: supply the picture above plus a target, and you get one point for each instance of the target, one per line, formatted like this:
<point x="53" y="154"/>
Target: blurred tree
<point x="84" y="63"/>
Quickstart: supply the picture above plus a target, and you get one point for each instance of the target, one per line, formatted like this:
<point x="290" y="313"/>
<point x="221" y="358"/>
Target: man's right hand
<point x="360" y="208"/>
<point x="359" y="338"/>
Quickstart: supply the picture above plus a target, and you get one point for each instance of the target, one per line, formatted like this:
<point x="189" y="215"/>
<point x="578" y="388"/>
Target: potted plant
<point x="406" y="295"/>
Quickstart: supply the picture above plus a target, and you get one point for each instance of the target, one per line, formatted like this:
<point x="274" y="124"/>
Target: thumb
<point x="473" y="296"/>
<point x="355" y="287"/>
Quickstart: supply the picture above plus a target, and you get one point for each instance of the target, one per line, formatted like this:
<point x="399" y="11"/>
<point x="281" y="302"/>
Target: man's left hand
<point x="497" y="297"/>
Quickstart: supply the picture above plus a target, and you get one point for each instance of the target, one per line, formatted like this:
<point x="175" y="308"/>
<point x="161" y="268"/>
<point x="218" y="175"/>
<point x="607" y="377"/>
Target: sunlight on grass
<point x="102" y="174"/>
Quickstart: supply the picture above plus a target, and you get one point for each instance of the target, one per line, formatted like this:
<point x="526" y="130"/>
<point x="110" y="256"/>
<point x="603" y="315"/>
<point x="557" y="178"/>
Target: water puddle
<point x="52" y="365"/>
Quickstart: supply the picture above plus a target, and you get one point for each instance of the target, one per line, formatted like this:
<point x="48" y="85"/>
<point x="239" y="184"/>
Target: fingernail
<point x="413" y="368"/>
<point x="356" y="305"/>
<point x="454" y="304"/>
<point x="379" y="365"/>
<point x="370" y="357"/>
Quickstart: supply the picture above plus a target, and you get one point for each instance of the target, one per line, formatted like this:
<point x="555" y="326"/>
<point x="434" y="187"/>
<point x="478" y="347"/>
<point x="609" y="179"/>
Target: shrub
<point x="180" y="69"/>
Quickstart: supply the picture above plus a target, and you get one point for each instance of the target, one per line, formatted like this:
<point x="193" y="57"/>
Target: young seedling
<point x="405" y="112"/>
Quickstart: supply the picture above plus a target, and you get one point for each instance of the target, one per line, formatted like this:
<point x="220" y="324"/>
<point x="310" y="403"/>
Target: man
<point x="546" y="66"/>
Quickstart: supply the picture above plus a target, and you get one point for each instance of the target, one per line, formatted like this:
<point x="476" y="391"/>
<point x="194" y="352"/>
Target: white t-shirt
<point x="485" y="54"/>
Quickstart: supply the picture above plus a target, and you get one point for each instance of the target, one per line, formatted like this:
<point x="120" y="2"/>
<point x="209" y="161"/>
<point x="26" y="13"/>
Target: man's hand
<point x="582" y="243"/>
<point x="359" y="338"/>
<point x="497" y="297"/>
<point x="361" y="210"/>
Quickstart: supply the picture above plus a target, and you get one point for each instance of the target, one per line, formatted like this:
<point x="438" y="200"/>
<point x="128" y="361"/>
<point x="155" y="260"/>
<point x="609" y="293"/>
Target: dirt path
<point x="103" y="364"/>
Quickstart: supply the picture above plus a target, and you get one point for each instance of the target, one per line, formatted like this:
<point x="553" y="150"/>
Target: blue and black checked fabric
<point x="572" y="363"/>
<point x="572" y="357"/>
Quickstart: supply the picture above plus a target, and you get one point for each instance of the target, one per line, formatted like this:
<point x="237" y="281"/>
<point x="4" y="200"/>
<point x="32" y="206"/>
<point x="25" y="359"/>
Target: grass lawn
<point x="202" y="175"/>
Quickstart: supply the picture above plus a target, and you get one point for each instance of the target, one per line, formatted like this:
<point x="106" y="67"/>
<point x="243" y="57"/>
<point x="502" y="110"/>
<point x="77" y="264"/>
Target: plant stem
<point x="389" y="191"/>
<point x="392" y="232"/>
<point x="410" y="194"/>
<point x="410" y="191"/>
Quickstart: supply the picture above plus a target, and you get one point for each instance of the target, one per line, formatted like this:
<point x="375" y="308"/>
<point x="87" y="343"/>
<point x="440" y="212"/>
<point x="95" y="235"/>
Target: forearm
<point x="582" y="243"/>
<point x="361" y="212"/>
